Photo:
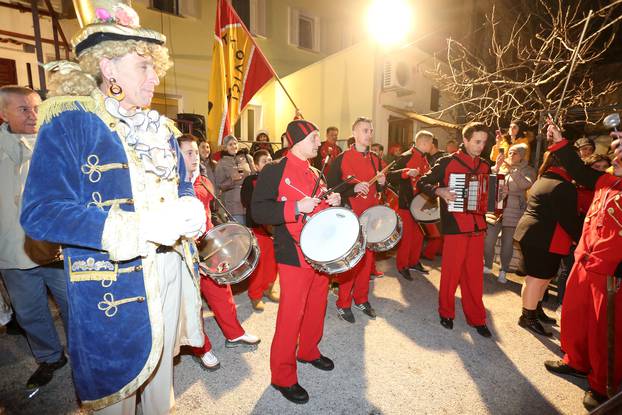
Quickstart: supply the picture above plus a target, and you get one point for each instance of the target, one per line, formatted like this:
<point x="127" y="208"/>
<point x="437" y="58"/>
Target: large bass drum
<point x="383" y="228"/>
<point x="332" y="240"/>
<point x="229" y="253"/>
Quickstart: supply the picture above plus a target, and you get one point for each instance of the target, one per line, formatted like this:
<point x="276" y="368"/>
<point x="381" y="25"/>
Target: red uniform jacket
<point x="599" y="246"/>
<point x="279" y="186"/>
<point x="438" y="176"/>
<point x="363" y="166"/>
<point x="408" y="186"/>
<point x="204" y="190"/>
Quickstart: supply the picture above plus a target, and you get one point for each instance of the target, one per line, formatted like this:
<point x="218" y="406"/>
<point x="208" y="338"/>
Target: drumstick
<point x="380" y="173"/>
<point x="289" y="183"/>
<point x="317" y="182"/>
<point x="337" y="186"/>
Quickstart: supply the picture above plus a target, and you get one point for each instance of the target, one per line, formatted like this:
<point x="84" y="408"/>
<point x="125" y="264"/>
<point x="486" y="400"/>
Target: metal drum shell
<point x="242" y="270"/>
<point x="392" y="239"/>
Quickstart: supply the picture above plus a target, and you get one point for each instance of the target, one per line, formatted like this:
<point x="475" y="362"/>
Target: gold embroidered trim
<point x="54" y="106"/>
<point x="91" y="270"/>
<point x="99" y="203"/>
<point x="110" y="306"/>
<point x="94" y="170"/>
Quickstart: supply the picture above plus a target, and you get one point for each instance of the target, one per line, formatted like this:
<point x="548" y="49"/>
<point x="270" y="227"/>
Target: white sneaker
<point x="245" y="339"/>
<point x="487" y="270"/>
<point x="210" y="361"/>
<point x="501" y="278"/>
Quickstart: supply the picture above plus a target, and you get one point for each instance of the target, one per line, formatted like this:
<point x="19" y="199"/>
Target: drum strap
<point x="471" y="170"/>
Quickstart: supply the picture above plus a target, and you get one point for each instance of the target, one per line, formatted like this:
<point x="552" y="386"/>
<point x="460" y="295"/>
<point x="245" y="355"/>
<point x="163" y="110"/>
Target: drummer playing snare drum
<point x="410" y="167"/>
<point x="219" y="297"/>
<point x="283" y="195"/>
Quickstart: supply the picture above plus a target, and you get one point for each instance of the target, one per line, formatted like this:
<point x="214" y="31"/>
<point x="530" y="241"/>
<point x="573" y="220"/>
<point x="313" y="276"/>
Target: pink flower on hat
<point x="102" y="14"/>
<point x="125" y="16"/>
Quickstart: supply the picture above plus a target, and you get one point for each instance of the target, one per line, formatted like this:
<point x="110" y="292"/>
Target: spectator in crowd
<point x="545" y="233"/>
<point x="263" y="278"/>
<point x="519" y="177"/>
<point x="281" y="152"/>
<point x="451" y="146"/>
<point x="350" y="142"/>
<point x="435" y="153"/>
<point x="29" y="267"/>
<point x="517" y="135"/>
<point x="262" y="142"/>
<point x="502" y="145"/>
<point x="219" y="297"/>
<point x="230" y="173"/>
<point x="378" y="149"/>
<point x="207" y="166"/>
<point x="585" y="147"/>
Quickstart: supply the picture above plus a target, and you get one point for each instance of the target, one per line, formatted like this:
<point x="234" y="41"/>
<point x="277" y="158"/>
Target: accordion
<point x="476" y="193"/>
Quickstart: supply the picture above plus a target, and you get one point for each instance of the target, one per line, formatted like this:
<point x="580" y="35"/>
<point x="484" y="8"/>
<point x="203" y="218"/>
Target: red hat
<point x="298" y="130"/>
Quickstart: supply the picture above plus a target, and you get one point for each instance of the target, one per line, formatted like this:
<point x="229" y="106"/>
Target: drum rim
<point x="397" y="222"/>
<point x="351" y="246"/>
<point x="250" y="246"/>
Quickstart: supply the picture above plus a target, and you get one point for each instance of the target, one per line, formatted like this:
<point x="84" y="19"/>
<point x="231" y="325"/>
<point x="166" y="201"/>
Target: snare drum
<point x="383" y="228"/>
<point x="229" y="253"/>
<point x="332" y="240"/>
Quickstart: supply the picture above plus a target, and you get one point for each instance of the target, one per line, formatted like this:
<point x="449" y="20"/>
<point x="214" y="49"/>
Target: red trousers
<point x="584" y="327"/>
<point x="355" y="282"/>
<point x="265" y="273"/>
<point x="461" y="264"/>
<point x="299" y="322"/>
<point x="433" y="248"/>
<point x="220" y="300"/>
<point x="409" y="247"/>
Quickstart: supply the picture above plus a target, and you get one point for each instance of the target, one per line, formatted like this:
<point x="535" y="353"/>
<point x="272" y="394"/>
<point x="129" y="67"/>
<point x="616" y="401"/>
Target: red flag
<point x="239" y="71"/>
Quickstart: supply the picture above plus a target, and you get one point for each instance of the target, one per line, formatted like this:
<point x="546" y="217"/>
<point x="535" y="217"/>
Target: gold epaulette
<point x="54" y="106"/>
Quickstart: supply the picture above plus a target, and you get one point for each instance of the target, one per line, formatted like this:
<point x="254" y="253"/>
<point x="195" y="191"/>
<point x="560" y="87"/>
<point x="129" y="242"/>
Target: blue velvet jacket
<point x="79" y="171"/>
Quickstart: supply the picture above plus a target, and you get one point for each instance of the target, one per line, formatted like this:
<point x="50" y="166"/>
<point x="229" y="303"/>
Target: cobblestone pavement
<point x="403" y="362"/>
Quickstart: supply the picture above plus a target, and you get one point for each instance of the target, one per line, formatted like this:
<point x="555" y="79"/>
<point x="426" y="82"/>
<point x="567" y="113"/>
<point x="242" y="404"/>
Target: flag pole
<point x="258" y="49"/>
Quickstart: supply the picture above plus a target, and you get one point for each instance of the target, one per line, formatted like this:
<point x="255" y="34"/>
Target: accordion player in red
<point x="477" y="193"/>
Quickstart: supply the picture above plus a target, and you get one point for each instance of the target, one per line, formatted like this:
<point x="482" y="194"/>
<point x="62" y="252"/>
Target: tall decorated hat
<point x="103" y="20"/>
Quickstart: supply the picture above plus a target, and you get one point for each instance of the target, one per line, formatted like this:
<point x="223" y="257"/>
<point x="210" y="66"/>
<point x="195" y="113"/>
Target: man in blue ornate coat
<point x="105" y="183"/>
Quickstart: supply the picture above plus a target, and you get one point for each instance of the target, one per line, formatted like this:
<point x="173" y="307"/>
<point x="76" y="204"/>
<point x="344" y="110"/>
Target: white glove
<point x="191" y="213"/>
<point x="161" y="225"/>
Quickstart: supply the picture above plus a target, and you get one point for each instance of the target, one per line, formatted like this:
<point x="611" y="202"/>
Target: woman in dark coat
<point x="545" y="233"/>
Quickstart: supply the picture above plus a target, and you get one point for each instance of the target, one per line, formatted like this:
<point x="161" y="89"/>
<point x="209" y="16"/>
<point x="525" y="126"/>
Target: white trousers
<point x="157" y="394"/>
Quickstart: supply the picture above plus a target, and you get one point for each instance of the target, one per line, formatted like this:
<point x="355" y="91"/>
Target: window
<point x="304" y="30"/>
<point x="435" y="97"/>
<point x="166" y="6"/>
<point x="248" y="124"/>
<point x="253" y="15"/>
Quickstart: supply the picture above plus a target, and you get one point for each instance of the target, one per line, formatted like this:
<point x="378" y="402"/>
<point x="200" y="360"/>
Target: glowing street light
<point x="389" y="21"/>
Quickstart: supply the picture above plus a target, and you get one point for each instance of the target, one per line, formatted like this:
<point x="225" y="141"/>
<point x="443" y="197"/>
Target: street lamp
<point x="389" y="21"/>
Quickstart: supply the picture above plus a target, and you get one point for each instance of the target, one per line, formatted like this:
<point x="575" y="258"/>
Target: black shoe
<point x="294" y="393"/>
<point x="405" y="273"/>
<point x="345" y="314"/>
<point x="561" y="368"/>
<point x="483" y="331"/>
<point x="533" y="325"/>
<point x="367" y="309"/>
<point x="541" y="315"/>
<point x="14" y="329"/>
<point x="419" y="267"/>
<point x="592" y="400"/>
<point x="448" y="323"/>
<point x="45" y="372"/>
<point x="322" y="363"/>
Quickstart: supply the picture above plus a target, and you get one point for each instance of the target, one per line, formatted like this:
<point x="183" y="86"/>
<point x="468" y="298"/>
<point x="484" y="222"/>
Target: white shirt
<point x="15" y="155"/>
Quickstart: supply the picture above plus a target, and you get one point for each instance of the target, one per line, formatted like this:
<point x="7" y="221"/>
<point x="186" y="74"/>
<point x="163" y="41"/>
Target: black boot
<point x="542" y="315"/>
<point x="529" y="320"/>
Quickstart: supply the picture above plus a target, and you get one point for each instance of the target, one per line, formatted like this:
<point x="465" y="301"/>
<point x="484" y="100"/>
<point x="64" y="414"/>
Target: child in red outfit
<point x="218" y="297"/>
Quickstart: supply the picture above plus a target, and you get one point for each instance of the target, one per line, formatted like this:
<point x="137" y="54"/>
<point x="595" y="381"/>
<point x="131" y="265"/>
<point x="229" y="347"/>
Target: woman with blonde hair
<point x="120" y="205"/>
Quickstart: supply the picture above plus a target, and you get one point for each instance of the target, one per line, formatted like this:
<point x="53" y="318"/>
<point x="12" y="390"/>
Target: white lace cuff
<point x="121" y="236"/>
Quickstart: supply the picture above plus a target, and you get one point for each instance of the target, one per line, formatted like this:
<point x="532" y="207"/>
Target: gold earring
<point x="115" y="91"/>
